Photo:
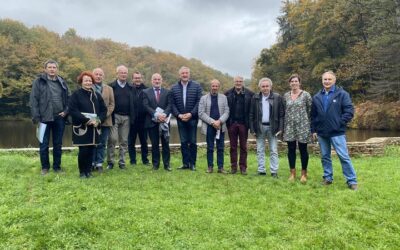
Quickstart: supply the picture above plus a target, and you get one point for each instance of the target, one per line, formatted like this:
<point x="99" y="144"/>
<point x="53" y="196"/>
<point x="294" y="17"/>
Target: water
<point x="22" y="134"/>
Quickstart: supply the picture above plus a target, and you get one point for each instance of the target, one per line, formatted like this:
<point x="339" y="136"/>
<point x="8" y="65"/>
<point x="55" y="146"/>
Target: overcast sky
<point x="226" y="35"/>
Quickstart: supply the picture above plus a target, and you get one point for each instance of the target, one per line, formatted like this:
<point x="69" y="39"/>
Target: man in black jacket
<point x="185" y="97"/>
<point x="49" y="105"/>
<point x="138" y="127"/>
<point x="266" y="121"/>
<point x="123" y="116"/>
<point x="156" y="102"/>
<point x="239" y="99"/>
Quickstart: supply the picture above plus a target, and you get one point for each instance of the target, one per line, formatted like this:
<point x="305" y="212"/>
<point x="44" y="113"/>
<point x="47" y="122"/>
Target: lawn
<point x="139" y="208"/>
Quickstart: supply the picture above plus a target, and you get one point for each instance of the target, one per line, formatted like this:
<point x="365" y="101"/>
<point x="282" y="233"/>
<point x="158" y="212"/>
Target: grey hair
<point x="182" y="68"/>
<point x="120" y="67"/>
<point x="265" y="79"/>
<point x="329" y="72"/>
<point x="50" y="61"/>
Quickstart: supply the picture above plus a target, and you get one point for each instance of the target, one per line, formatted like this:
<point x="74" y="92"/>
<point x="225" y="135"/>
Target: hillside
<point x="24" y="50"/>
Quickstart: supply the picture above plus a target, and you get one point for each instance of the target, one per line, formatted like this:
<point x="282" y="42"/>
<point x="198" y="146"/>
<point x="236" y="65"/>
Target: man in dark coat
<point x="266" y="121"/>
<point x="239" y="99"/>
<point x="137" y="129"/>
<point x="49" y="106"/>
<point x="156" y="102"/>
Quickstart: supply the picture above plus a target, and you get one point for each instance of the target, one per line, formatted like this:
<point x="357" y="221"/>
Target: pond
<point x="21" y="134"/>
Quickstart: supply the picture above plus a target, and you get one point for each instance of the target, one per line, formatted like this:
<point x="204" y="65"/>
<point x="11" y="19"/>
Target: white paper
<point x="218" y="134"/>
<point x="41" y="128"/>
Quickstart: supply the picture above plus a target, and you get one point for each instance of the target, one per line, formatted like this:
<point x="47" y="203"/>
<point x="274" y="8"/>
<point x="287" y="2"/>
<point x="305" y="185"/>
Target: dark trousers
<point x="85" y="156"/>
<point x="210" y="138"/>
<point x="155" y="136"/>
<point x="56" y="127"/>
<point x="238" y="131"/>
<point x="100" y="149"/>
<point x="134" y="131"/>
<point x="292" y="154"/>
<point x="187" y="135"/>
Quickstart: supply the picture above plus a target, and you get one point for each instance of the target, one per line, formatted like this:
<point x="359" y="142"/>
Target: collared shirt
<point x="121" y="84"/>
<point x="326" y="95"/>
<point x="98" y="87"/>
<point x="184" y="90"/>
<point x="265" y="108"/>
<point x="155" y="89"/>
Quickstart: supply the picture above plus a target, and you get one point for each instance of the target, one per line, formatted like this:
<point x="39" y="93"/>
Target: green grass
<point x="143" y="209"/>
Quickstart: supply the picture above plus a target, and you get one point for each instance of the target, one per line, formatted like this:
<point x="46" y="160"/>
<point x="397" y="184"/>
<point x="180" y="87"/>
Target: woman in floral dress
<point x="297" y="103"/>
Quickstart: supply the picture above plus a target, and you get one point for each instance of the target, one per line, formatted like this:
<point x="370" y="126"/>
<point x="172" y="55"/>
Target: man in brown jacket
<point x="108" y="96"/>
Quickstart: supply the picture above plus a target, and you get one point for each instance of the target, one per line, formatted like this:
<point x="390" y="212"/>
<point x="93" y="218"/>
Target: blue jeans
<point x="187" y="135"/>
<point x="340" y="146"/>
<point x="56" y="127"/>
<point x="273" y="150"/>
<point x="210" y="138"/>
<point x="99" y="150"/>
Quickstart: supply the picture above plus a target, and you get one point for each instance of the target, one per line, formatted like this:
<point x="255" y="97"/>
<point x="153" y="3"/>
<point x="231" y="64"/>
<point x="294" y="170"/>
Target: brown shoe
<point x="209" y="170"/>
<point x="303" y="178"/>
<point x="221" y="171"/>
<point x="292" y="176"/>
<point x="353" y="187"/>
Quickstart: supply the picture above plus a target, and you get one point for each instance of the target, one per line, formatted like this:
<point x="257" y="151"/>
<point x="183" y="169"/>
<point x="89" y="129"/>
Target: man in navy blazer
<point x="185" y="97"/>
<point x="156" y="103"/>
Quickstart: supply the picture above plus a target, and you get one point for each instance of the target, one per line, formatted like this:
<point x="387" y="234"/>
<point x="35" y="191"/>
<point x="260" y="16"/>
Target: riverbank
<point x="377" y="116"/>
<point x="141" y="208"/>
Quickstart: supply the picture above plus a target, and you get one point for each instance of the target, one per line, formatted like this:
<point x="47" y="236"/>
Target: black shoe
<point x="233" y="171"/>
<point x="89" y="175"/>
<point x="325" y="182"/>
<point x="192" y="167"/>
<point x="133" y="163"/>
<point x="155" y="167"/>
<point x="274" y="175"/>
<point x="261" y="173"/>
<point x="168" y="168"/>
<point x="58" y="170"/>
<point x="110" y="166"/>
<point x="44" y="171"/>
<point x="82" y="176"/>
<point x="184" y="167"/>
<point x="121" y="166"/>
<point x="243" y="172"/>
<point x="147" y="163"/>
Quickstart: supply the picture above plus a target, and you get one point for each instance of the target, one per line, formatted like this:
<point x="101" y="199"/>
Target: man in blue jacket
<point x="185" y="97"/>
<point x="331" y="110"/>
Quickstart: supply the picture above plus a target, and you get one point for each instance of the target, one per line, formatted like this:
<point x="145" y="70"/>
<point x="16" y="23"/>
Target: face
<point x="294" y="83"/>
<point x="122" y="74"/>
<point x="87" y="83"/>
<point x="51" y="69"/>
<point x="328" y="80"/>
<point x="238" y="83"/>
<point x="98" y="76"/>
<point x="184" y="74"/>
<point x="156" y="80"/>
<point x="137" y="79"/>
<point x="214" y="87"/>
<point x="265" y="87"/>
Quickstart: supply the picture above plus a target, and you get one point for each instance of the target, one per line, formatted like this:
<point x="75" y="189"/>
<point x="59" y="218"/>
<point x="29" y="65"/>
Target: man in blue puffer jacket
<point x="331" y="110"/>
<point x="185" y="97"/>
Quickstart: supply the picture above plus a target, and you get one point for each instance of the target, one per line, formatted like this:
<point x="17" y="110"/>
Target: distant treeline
<point x="23" y="51"/>
<point x="358" y="39"/>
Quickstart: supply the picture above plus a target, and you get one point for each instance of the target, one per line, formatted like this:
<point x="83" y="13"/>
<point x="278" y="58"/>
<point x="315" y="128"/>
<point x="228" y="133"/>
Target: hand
<point x="162" y="118"/>
<point x="62" y="114"/>
<point x="216" y="124"/>
<point x="315" y="136"/>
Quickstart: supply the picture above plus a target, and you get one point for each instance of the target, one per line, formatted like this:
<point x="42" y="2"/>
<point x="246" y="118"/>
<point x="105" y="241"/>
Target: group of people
<point x="107" y="115"/>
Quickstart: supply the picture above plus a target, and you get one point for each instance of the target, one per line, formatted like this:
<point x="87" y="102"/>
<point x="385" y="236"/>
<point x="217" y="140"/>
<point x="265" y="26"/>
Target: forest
<point x="24" y="50"/>
<point x="357" y="39"/>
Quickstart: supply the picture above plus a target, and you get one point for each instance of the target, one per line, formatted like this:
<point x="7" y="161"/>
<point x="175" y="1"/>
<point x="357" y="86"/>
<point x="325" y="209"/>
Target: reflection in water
<point x="21" y="134"/>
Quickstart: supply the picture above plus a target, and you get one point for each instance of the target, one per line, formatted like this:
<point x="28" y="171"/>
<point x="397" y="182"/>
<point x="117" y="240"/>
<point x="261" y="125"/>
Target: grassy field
<point x="139" y="208"/>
